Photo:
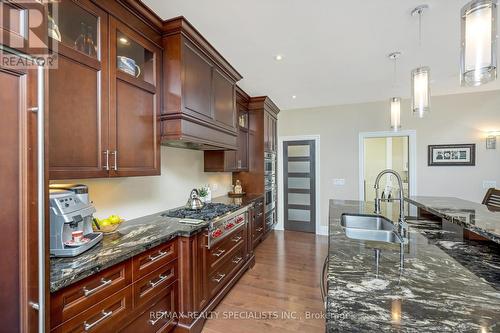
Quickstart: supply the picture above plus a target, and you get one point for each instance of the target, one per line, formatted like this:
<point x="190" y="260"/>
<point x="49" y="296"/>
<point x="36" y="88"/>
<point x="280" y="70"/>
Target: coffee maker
<point x="71" y="214"/>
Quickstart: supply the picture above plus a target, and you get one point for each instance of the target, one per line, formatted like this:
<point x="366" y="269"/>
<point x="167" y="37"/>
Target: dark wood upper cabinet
<point x="263" y="115"/>
<point x="104" y="97"/>
<point x="78" y="98"/>
<point x="199" y="91"/>
<point x="233" y="160"/>
<point x="134" y="103"/>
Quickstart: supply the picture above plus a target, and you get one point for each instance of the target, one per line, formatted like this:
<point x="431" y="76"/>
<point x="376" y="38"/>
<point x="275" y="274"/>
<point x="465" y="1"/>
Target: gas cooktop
<point x="209" y="212"/>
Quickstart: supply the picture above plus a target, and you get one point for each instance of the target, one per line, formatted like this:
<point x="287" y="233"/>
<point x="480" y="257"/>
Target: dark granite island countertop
<point x="433" y="292"/>
<point x="470" y="215"/>
<point x="132" y="238"/>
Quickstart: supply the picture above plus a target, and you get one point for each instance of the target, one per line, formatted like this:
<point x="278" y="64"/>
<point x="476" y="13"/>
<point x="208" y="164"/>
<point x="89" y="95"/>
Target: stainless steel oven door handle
<point x="88" y="327"/>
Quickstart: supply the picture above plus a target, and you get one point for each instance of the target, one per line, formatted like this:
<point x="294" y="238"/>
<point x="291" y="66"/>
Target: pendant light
<point x="395" y="102"/>
<point x="478" y="61"/>
<point x="420" y="76"/>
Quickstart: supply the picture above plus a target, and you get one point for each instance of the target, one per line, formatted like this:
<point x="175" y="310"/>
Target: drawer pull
<point x="221" y="276"/>
<point x="259" y="215"/>
<point x="259" y="229"/>
<point x="158" y="256"/>
<point x="237" y="239"/>
<point x="104" y="283"/>
<point x="162" y="278"/>
<point x="88" y="327"/>
<point x="219" y="253"/>
<point x="237" y="260"/>
<point x="153" y="322"/>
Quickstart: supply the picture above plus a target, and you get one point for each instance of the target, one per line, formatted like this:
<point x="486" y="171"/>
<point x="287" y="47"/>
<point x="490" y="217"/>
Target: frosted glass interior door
<point x="299" y="185"/>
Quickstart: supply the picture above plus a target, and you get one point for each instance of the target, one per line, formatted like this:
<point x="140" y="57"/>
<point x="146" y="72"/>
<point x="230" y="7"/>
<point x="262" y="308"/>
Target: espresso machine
<point x="71" y="217"/>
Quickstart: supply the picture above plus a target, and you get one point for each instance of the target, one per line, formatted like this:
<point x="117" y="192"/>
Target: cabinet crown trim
<point x="263" y="103"/>
<point x="180" y="25"/>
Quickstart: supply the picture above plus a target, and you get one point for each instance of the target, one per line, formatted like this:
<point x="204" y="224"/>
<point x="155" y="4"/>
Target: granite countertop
<point x="433" y="292"/>
<point x="132" y="237"/>
<point x="472" y="216"/>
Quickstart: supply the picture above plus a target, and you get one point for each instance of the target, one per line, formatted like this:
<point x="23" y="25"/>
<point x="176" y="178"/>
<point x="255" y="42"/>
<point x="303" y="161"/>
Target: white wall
<point x="181" y="171"/>
<point x="462" y="118"/>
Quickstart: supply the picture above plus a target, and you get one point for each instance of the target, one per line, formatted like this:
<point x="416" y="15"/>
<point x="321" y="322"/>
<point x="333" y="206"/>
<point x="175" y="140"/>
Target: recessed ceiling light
<point x="294" y="97"/>
<point x="278" y="57"/>
<point x="124" y="41"/>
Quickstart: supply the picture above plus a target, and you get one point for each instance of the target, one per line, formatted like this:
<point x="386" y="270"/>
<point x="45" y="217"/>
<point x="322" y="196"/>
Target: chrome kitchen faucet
<point x="402" y="226"/>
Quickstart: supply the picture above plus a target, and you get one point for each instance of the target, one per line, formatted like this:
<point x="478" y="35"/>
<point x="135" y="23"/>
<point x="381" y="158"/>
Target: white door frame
<point x="321" y="230"/>
<point x="412" y="156"/>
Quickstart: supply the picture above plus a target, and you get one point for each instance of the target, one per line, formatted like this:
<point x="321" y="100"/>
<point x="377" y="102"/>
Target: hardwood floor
<point x="284" y="283"/>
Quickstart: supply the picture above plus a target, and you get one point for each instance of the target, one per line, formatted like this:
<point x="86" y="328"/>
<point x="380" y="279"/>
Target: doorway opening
<point x="387" y="150"/>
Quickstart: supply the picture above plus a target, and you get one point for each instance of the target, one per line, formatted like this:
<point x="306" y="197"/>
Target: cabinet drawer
<point x="221" y="275"/>
<point x="158" y="314"/>
<point x="221" y="251"/>
<point x="76" y="298"/>
<point x="105" y="316"/>
<point x="153" y="259"/>
<point x="148" y="287"/>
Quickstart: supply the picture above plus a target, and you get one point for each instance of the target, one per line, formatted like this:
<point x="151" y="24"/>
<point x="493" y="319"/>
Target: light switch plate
<point x="339" y="182"/>
<point x="489" y="184"/>
<point x="214" y="187"/>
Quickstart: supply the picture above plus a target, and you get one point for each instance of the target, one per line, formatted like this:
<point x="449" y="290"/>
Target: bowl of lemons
<point x="109" y="224"/>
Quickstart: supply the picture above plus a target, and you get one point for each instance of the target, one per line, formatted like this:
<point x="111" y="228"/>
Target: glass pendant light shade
<point x="420" y="91"/>
<point x="395" y="113"/>
<point x="478" y="53"/>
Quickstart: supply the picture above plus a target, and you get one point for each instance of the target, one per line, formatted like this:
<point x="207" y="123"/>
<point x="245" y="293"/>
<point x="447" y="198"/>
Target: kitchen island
<point x="431" y="293"/>
<point x="470" y="215"/>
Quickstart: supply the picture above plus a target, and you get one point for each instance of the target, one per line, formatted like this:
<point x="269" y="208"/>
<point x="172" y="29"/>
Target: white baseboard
<point x="322" y="230"/>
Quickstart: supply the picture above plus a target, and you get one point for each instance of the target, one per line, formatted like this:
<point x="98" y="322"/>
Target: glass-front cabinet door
<point x="135" y="102"/>
<point x="76" y="26"/>
<point x="79" y="90"/>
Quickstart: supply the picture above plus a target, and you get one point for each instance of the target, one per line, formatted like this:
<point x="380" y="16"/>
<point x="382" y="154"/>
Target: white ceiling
<point x="334" y="51"/>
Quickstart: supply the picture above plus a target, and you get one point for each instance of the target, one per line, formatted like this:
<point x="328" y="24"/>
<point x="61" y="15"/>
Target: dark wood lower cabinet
<point x="152" y="291"/>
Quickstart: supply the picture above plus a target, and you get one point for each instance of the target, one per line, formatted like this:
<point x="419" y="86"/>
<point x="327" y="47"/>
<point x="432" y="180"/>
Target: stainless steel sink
<point x="369" y="227"/>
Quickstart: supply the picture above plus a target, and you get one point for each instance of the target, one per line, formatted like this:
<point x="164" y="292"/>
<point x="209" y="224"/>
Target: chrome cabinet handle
<point x="219" y="253"/>
<point x="88" y="327"/>
<point x="239" y="164"/>
<point x="221" y="276"/>
<point x="237" y="239"/>
<point x="87" y="292"/>
<point x="153" y="322"/>
<point x="158" y="256"/>
<point x="162" y="278"/>
<point x="237" y="260"/>
<point x="106" y="155"/>
<point x="115" y="154"/>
